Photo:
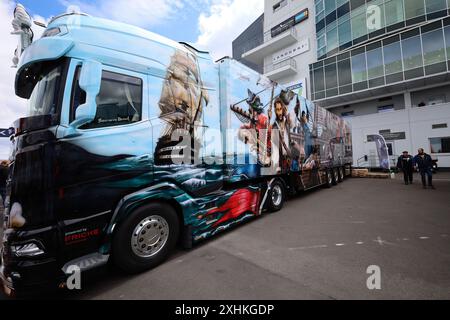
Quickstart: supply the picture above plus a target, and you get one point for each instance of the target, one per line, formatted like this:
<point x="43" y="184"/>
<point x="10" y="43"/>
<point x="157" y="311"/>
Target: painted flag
<point x="6" y="133"/>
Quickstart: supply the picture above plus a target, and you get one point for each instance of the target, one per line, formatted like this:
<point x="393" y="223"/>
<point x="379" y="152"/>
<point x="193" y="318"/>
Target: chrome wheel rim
<point x="341" y="173"/>
<point x="277" y="195"/>
<point x="149" y="236"/>
<point x="330" y="178"/>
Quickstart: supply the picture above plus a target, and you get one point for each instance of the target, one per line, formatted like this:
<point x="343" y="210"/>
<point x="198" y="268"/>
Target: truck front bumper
<point x="19" y="277"/>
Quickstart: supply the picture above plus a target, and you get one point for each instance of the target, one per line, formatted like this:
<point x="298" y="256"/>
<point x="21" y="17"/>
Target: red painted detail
<point x="242" y="201"/>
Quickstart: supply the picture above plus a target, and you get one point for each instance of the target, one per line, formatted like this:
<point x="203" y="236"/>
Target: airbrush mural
<point x="182" y="101"/>
<point x="272" y="127"/>
<point x="209" y="139"/>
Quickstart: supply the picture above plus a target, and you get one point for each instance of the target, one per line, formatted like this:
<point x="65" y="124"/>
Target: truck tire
<point x="335" y="176"/>
<point x="146" y="238"/>
<point x="276" y="196"/>
<point x="341" y="174"/>
<point x="329" y="179"/>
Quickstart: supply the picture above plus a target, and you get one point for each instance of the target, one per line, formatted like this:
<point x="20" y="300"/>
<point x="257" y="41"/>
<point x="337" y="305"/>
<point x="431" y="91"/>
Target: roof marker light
<point x="56" y="31"/>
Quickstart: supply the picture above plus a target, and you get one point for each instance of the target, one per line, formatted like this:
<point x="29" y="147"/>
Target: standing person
<point x="424" y="163"/>
<point x="405" y="163"/>
<point x="3" y="177"/>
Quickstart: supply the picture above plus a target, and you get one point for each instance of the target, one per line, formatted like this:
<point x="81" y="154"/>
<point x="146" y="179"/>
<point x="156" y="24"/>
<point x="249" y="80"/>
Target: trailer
<point x="134" y="143"/>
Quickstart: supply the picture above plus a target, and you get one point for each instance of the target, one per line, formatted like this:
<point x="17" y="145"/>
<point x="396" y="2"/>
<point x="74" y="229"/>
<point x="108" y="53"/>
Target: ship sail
<point x="181" y="102"/>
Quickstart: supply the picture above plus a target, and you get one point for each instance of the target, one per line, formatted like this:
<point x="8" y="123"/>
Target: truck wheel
<point x="276" y="196"/>
<point x="335" y="176"/>
<point x="145" y="238"/>
<point x="341" y="174"/>
<point x="329" y="179"/>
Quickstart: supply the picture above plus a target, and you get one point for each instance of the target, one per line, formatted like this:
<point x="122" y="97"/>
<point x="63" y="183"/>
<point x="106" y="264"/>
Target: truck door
<point x="105" y="159"/>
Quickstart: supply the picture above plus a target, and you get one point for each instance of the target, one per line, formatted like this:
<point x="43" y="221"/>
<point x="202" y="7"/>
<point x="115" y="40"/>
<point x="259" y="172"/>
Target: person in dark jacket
<point x="3" y="177"/>
<point x="405" y="163"/>
<point x="424" y="163"/>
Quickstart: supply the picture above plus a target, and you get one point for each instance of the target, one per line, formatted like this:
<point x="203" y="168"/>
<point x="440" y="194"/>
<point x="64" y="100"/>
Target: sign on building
<point x="291" y="51"/>
<point x="299" y="87"/>
<point x="289" y="23"/>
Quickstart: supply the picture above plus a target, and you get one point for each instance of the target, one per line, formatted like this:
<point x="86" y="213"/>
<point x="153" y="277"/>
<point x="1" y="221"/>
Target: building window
<point x="440" y="145"/>
<point x="330" y="6"/>
<point x="331" y="76"/>
<point x="321" y="43"/>
<point x="435" y="5"/>
<point x="319" y="79"/>
<point x="344" y="30"/>
<point x="347" y="114"/>
<point x="432" y="101"/>
<point x="344" y="72"/>
<point x="394" y="11"/>
<point x="375" y="64"/>
<point x="433" y="47"/>
<point x="412" y="53"/>
<point x="279" y="5"/>
<point x="387" y="108"/>
<point x="392" y="58"/>
<point x="359" y="68"/>
<point x="375" y="15"/>
<point x="439" y="126"/>
<point x="359" y="22"/>
<point x="390" y="148"/>
<point x="414" y="8"/>
<point x="447" y="40"/>
<point x="320" y="10"/>
<point x="332" y="38"/>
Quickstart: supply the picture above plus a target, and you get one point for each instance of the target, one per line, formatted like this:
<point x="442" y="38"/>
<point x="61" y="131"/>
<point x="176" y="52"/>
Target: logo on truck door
<point x="80" y="235"/>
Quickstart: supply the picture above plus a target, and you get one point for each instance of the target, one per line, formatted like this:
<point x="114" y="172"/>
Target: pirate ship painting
<point x="182" y="101"/>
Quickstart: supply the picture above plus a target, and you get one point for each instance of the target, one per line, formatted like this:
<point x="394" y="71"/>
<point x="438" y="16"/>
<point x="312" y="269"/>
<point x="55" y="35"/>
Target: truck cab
<point x="86" y="143"/>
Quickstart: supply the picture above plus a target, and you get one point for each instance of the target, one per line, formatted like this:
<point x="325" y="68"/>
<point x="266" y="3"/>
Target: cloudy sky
<point x="209" y="24"/>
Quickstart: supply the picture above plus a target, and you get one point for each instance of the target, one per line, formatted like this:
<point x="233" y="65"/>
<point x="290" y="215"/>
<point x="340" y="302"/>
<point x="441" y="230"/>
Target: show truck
<point x="133" y="143"/>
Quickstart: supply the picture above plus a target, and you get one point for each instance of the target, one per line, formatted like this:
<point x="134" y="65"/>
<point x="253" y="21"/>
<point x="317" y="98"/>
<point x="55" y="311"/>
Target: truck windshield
<point x="44" y="97"/>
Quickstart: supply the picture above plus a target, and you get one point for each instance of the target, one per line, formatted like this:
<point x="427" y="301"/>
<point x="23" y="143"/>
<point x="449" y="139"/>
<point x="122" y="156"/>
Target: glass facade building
<point x="418" y="51"/>
<point x="341" y="24"/>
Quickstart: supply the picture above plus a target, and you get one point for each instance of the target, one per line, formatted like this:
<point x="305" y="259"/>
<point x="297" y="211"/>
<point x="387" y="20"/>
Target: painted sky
<point x="208" y="24"/>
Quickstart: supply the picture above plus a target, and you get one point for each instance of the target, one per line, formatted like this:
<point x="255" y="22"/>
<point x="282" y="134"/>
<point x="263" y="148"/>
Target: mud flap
<point x="186" y="237"/>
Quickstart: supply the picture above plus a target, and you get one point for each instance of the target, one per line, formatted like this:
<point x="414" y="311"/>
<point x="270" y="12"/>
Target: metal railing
<point x="275" y="66"/>
<point x="373" y="161"/>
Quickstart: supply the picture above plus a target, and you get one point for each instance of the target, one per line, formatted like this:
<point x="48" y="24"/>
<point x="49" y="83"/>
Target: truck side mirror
<point x="90" y="80"/>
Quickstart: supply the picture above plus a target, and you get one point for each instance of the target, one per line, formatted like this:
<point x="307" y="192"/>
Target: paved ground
<point x="318" y="247"/>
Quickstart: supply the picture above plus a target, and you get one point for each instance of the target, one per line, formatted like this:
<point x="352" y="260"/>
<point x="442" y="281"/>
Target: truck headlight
<point x="29" y="249"/>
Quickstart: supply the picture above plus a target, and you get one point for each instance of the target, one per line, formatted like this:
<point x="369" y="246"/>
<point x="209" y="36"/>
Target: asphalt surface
<point x="318" y="246"/>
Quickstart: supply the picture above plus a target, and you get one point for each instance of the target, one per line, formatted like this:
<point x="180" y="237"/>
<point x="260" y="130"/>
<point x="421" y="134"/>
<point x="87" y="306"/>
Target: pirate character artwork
<point x="255" y="130"/>
<point x="302" y="129"/>
<point x="182" y="101"/>
<point x="282" y="124"/>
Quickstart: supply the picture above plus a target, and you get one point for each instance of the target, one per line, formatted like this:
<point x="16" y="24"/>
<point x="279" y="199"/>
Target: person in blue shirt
<point x="424" y="163"/>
